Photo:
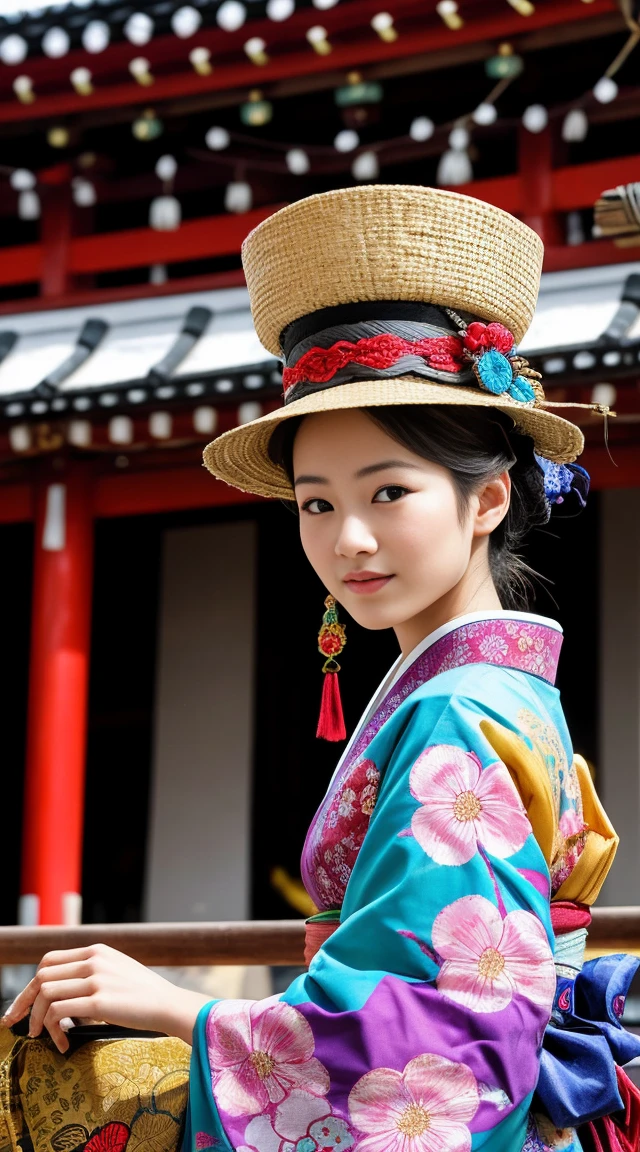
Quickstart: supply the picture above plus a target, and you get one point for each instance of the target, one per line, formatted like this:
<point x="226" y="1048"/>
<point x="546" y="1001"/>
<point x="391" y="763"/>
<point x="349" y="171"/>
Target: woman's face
<point x="381" y="526"/>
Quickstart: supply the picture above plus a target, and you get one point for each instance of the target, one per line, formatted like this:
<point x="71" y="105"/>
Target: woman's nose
<point x="355" y="536"/>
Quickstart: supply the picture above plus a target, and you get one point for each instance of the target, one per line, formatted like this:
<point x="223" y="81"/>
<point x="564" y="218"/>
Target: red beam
<point x="21" y="265"/>
<point x="362" y="50"/>
<point x="169" y="490"/>
<point x="215" y="236"/>
<point x="581" y="185"/>
<point x="214" y="281"/>
<point x="593" y="254"/>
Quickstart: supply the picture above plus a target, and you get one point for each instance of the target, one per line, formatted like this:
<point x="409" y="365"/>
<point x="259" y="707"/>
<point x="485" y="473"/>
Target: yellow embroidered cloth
<point x="106" y="1095"/>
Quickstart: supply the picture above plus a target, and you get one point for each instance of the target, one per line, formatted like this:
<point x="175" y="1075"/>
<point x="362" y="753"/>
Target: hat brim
<point x="241" y="456"/>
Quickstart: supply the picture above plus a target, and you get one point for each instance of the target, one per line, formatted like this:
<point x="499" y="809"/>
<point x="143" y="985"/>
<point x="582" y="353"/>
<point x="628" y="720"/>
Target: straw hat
<point x="381" y="295"/>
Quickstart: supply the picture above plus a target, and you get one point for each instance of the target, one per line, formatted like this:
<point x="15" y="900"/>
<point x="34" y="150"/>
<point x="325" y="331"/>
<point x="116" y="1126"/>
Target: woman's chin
<point x="374" y="617"/>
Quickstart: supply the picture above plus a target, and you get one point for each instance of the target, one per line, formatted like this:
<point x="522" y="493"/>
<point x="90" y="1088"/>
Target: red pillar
<point x="58" y="692"/>
<point x="55" y="230"/>
<point x="535" y="166"/>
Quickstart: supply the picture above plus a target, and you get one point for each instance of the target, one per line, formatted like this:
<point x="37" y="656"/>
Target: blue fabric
<point x="584" y="1041"/>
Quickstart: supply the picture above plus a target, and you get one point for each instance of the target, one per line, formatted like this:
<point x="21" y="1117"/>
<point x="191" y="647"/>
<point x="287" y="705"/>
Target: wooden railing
<point x="276" y="942"/>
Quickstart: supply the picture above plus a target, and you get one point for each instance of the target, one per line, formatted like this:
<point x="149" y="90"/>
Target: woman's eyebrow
<point x="368" y="470"/>
<point x="309" y="480"/>
<point x="383" y="465"/>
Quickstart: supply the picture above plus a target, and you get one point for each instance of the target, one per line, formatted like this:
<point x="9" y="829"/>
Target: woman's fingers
<point x="68" y="966"/>
<point x="61" y="1011"/>
<point x="53" y="992"/>
<point x="68" y="956"/>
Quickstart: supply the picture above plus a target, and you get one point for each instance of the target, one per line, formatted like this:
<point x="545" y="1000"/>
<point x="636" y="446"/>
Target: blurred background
<point x="160" y="673"/>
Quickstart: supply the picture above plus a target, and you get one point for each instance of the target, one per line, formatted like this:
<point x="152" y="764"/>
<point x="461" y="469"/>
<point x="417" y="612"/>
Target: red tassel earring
<point x="331" y="640"/>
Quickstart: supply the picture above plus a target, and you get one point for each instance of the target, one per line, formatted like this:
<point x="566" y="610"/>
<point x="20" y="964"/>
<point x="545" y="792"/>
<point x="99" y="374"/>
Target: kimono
<point x="441" y="1012"/>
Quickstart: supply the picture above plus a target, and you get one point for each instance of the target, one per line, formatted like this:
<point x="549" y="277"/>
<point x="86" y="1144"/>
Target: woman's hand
<point x="101" y="984"/>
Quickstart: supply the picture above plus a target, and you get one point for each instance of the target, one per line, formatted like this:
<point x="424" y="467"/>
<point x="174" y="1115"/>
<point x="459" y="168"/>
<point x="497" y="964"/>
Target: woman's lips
<point x="365" y="584"/>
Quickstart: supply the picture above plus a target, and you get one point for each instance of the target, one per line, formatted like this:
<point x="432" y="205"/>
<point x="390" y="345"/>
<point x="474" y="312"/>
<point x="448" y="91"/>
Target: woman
<point x="460" y="843"/>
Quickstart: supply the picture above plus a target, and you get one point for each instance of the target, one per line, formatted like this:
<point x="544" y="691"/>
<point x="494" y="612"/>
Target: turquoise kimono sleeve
<point x="419" y="1024"/>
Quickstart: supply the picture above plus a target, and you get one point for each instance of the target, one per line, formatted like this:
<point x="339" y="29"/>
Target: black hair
<point x="475" y="444"/>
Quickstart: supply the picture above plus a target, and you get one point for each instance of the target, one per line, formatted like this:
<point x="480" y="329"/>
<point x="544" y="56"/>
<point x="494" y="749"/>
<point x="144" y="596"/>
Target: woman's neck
<point x="475" y="592"/>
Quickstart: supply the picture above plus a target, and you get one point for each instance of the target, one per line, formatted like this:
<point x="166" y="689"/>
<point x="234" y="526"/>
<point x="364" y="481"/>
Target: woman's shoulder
<point x="489" y="688"/>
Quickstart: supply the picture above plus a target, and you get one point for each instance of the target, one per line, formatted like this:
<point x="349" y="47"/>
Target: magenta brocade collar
<point x="508" y="642"/>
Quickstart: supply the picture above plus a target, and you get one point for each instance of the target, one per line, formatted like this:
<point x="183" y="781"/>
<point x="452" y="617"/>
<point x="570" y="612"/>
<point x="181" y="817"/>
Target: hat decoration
<point x="496" y="365"/>
<point x="490" y="348"/>
<point x="564" y="480"/>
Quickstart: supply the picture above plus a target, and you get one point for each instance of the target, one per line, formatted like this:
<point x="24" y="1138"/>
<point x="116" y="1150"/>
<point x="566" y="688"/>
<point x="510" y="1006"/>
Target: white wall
<point x="619" y="761"/>
<point x="199" y="836"/>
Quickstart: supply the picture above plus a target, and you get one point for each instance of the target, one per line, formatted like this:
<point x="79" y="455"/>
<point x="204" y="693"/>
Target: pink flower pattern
<point x="426" y="1108"/>
<point x="488" y="960"/>
<point x="259" y="1051"/>
<point x="463" y="806"/>
<point x="302" y="1121"/>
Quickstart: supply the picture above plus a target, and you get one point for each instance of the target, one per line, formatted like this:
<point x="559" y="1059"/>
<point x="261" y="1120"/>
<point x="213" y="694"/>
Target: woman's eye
<point x="389" y="493"/>
<point x="316" y="506"/>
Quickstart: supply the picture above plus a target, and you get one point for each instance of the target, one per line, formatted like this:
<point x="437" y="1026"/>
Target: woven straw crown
<point x="391" y="242"/>
<point x="386" y="243"/>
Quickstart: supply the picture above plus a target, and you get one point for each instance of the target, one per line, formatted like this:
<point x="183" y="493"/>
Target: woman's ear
<point x="493" y="504"/>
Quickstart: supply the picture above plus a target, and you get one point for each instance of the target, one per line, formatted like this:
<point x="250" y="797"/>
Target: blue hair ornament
<point x="563" y="480"/>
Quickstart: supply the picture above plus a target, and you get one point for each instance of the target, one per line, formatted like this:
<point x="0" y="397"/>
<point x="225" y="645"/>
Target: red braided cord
<point x="319" y="365"/>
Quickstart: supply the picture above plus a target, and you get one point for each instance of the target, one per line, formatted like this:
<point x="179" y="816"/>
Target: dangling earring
<point x="331" y="640"/>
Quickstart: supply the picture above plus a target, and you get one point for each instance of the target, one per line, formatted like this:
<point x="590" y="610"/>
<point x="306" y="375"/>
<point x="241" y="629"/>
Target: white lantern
<point x="231" y="15"/>
<point x="605" y="90"/>
<point x="55" y="43"/>
<point x="84" y="193"/>
<point x="160" y="425"/>
<point x="297" y="161"/>
<point x="459" y="139"/>
<point x="22" y="180"/>
<point x="165" y="214"/>
<point x="485" y="114"/>
<point x="186" y="21"/>
<point x="166" y="167"/>
<point x="205" y="420"/>
<point x="382" y="23"/>
<point x="346" y="140"/>
<point x="13" y="49"/>
<point x="23" y="88"/>
<point x="139" y="28"/>
<point x="318" y="39"/>
<point x="29" y="205"/>
<point x="535" y="118"/>
<point x="238" y="196"/>
<point x="140" y="69"/>
<point x="422" y="128"/>
<point x="96" y="36"/>
<point x="575" y="126"/>
<point x="454" y="168"/>
<point x="217" y="139"/>
<point x="366" y="166"/>
<point x="79" y="433"/>
<point x="81" y="80"/>
<point x="280" y="9"/>
<point x="200" y="59"/>
<point x="255" y="50"/>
